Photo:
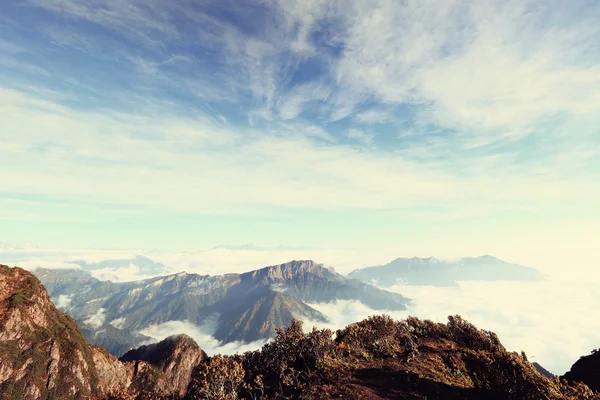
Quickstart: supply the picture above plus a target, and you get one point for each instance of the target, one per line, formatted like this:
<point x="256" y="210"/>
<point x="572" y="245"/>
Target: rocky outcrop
<point x="43" y="355"/>
<point x="175" y="356"/>
<point x="586" y="370"/>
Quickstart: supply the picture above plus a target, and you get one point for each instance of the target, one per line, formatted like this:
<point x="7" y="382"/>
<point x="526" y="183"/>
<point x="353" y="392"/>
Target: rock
<point x="176" y="356"/>
<point x="44" y="355"/>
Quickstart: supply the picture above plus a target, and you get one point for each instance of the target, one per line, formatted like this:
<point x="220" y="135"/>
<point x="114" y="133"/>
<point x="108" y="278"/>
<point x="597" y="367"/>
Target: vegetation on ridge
<point x="379" y="358"/>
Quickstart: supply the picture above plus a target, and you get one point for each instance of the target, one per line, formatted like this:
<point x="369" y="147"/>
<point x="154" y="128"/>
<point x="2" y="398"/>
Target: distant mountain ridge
<point x="251" y="306"/>
<point x="5" y="246"/>
<point x="435" y="272"/>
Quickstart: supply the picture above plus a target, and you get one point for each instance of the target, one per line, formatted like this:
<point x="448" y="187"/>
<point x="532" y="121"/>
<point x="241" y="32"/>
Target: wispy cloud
<point x="500" y="99"/>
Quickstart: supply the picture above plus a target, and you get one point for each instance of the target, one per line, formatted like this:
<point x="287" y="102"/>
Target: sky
<point x="444" y="128"/>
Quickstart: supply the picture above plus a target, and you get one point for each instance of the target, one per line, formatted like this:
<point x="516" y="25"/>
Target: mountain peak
<point x="176" y="356"/>
<point x="487" y="257"/>
<point x="291" y="269"/>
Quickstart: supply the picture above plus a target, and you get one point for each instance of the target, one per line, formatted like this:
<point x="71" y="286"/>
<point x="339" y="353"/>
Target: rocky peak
<point x="292" y="270"/>
<point x="176" y="356"/>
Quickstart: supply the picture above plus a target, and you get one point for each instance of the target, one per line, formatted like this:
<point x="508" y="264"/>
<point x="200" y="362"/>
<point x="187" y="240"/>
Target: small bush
<point x="219" y="378"/>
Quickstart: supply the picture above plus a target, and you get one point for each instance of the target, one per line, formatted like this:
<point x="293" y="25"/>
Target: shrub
<point x="291" y="362"/>
<point x="466" y="334"/>
<point x="377" y="336"/>
<point x="218" y="378"/>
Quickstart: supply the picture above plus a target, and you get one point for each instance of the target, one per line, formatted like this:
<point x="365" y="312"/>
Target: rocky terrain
<point x="434" y="272"/>
<point x="249" y="306"/>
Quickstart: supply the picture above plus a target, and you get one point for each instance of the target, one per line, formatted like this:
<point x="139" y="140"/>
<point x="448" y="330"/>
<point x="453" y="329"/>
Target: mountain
<point x="543" y="370"/>
<point x="435" y="272"/>
<point x="43" y="354"/>
<point x="586" y="370"/>
<point x="260" y="314"/>
<point x="176" y="357"/>
<point x="250" y="306"/>
<point x="119" y="341"/>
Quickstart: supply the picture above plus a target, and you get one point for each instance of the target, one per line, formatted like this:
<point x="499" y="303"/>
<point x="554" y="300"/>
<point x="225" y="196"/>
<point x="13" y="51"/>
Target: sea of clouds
<point x="552" y="321"/>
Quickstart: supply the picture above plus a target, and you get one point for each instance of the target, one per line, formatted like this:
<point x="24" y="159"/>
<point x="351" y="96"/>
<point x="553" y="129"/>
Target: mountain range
<point x="435" y="272"/>
<point x="248" y="306"/>
<point x="43" y="355"/>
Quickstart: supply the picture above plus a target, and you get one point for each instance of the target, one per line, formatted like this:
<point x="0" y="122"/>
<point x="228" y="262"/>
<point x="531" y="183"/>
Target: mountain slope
<point x="248" y="304"/>
<point x="434" y="272"/>
<point x="44" y="355"/>
<point x="260" y="314"/>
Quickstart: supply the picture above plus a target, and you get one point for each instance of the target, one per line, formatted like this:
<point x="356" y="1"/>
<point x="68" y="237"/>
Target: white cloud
<point x="118" y="322"/>
<point x="478" y="64"/>
<point x="202" y="334"/>
<point x="63" y="301"/>
<point x="96" y="320"/>
<point x="345" y="312"/>
<point x="122" y="274"/>
<point x="375" y="116"/>
<point x="360" y="135"/>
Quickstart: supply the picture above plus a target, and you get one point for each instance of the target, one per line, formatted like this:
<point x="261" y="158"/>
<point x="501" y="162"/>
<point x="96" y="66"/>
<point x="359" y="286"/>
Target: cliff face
<point x="43" y="355"/>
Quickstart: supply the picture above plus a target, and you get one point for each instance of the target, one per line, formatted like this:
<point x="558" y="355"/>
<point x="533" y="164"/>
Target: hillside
<point x="434" y="272"/>
<point x="250" y="306"/>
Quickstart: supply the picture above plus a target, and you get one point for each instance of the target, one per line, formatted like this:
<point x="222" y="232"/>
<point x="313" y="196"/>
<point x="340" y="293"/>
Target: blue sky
<point x="431" y="126"/>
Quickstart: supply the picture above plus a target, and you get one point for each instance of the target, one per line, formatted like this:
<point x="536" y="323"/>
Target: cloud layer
<point x="202" y="334"/>
<point x="551" y="320"/>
